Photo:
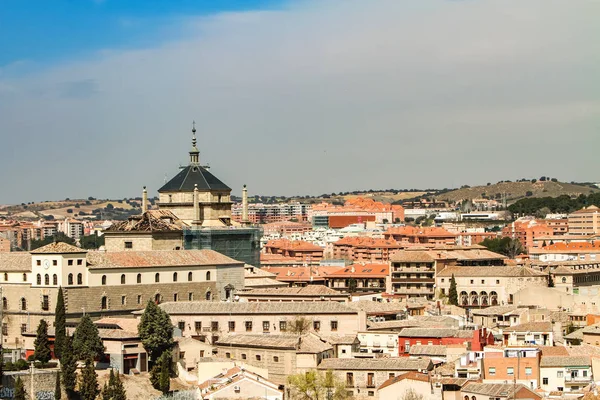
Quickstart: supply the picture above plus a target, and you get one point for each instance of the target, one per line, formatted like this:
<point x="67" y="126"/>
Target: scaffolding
<point x="241" y="244"/>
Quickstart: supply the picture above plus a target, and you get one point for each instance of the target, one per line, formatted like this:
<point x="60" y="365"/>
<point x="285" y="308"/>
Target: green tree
<point x="60" y="321"/>
<point x="92" y="241"/>
<point x="160" y="374"/>
<point x="315" y="385"/>
<point x="57" y="391"/>
<point x="452" y="293"/>
<point x="58" y="237"/>
<point x="113" y="389"/>
<point x="41" y="344"/>
<point x="68" y="369"/>
<point x="352" y="285"/>
<point x="550" y="280"/>
<point x="19" y="393"/>
<point x="156" y="331"/>
<point x="88" y="381"/>
<point x="86" y="341"/>
<point x="299" y="325"/>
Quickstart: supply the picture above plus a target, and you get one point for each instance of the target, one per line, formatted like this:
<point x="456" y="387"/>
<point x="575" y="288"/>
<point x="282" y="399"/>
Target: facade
<point x="259" y="213"/>
<point x="518" y="364"/>
<point x="239" y="383"/>
<point x="378" y="343"/>
<point x="529" y="333"/>
<point x="585" y="221"/>
<point x="413" y="273"/>
<point x="565" y="373"/>
<point x="421" y="235"/>
<point x="398" y="386"/>
<point x="504" y="391"/>
<point x="476" y="339"/>
<point x="296" y="249"/>
<point x="527" y="231"/>
<point x="360" y="278"/>
<point x="574" y="251"/>
<point x="355" y="210"/>
<point x="365" y="249"/>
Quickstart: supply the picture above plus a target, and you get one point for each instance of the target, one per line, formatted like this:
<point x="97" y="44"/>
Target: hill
<point x="517" y="190"/>
<point x="76" y="208"/>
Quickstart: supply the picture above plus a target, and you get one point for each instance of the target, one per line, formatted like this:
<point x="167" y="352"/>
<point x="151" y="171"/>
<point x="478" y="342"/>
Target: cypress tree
<point x="68" y="369"/>
<point x="106" y="391"/>
<point x="57" y="391"/>
<point x="86" y="341"/>
<point x="164" y="381"/>
<point x="59" y="325"/>
<point x="452" y="293"/>
<point x="19" y="393"/>
<point x="115" y="388"/>
<point x="41" y="344"/>
<point x="156" y="331"/>
<point x="88" y="383"/>
<point x="550" y="280"/>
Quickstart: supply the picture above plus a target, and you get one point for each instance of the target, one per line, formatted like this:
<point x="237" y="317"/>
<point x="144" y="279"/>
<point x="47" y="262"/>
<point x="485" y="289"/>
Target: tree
<point x="88" y="382"/>
<point x="452" y="293"/>
<point x="160" y="374"/>
<point x="113" y="389"/>
<point x="412" y="394"/>
<point x="352" y="285"/>
<point x="299" y="325"/>
<point x="68" y="369"/>
<point x="19" y="393"/>
<point x="513" y="248"/>
<point x="315" y="385"/>
<point x="41" y="344"/>
<point x="86" y="341"/>
<point x="156" y="331"/>
<point x="550" y="280"/>
<point x="58" y="237"/>
<point x="57" y="391"/>
<point x="60" y="321"/>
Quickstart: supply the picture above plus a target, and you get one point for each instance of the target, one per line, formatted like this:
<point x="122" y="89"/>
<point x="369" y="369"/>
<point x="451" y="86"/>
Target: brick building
<point x="477" y="339"/>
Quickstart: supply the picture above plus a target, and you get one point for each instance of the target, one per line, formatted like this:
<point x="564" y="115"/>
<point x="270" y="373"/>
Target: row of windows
<point x="23" y="303"/>
<point x="55" y="262"/>
<point x="6" y="277"/>
<point x="157" y="299"/>
<point x="258" y="357"/>
<point x="509" y="371"/>
<point x="47" y="279"/>
<point x="370" y="379"/>
<point x="156" y="278"/>
<point x="266" y="325"/>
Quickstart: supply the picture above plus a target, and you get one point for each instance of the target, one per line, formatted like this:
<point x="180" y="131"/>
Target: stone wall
<point x="42" y="384"/>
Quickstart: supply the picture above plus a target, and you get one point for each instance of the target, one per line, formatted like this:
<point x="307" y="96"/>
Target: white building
<point x="568" y="374"/>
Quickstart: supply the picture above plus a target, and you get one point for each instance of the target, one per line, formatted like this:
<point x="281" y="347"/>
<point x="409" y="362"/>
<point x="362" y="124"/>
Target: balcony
<point x="577" y="379"/>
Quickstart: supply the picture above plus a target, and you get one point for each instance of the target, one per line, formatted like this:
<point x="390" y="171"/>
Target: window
<point x="559" y="374"/>
<point x="175" y="296"/>
<point x="510" y="371"/>
<point x="584" y="372"/>
<point x="227" y="355"/>
<point x="157" y="298"/>
<point x="370" y="393"/>
<point x="190" y="296"/>
<point x="544" y="381"/>
<point x="70" y="262"/>
<point x="316" y="325"/>
<point x="181" y="325"/>
<point x="55" y="262"/>
<point x="55" y="280"/>
<point x="122" y="279"/>
<point x="559" y="388"/>
<point x="472" y="281"/>
<point x="248" y="325"/>
<point x="23" y="328"/>
<point x="214" y="326"/>
<point x="129" y="245"/>
<point x="244" y="356"/>
<point x="442" y="280"/>
<point x="391" y="375"/>
<point x="79" y="262"/>
<point x="38" y="263"/>
<point x="139" y="278"/>
<point x="104" y="303"/>
<point x="258" y="357"/>
<point x="123" y="300"/>
<point x="139" y="299"/>
<point x="349" y="379"/>
<point x="23" y="304"/>
<point x="70" y="279"/>
<point x="275" y="359"/>
<point x="198" y="326"/>
<point x="45" y="302"/>
<point x="79" y="279"/>
<point x="47" y="280"/>
<point x="4" y="303"/>
<point x="231" y="326"/>
<point x="174" y="276"/>
<point x="5" y="329"/>
<point x="103" y="279"/>
<point x="370" y="379"/>
<point x="497" y="281"/>
<point x="527" y="370"/>
<point x="483" y="281"/>
<point x="189" y="276"/>
<point x="208" y="295"/>
<point x="283" y="326"/>
<point x="157" y="278"/>
<point x="334" y="325"/>
<point x="39" y="279"/>
<point x="266" y="326"/>
<point x="492" y="371"/>
<point x="208" y="275"/>
<point x="24" y="277"/>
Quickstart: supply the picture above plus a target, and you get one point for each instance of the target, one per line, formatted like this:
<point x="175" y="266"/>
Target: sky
<point x="97" y="97"/>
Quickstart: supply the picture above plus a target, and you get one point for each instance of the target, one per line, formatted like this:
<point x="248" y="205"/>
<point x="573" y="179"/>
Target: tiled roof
<point x="15" y="262"/>
<point x="419" y="231"/>
<point x="593" y="329"/>
<point x="250" y="283"/>
<point x="504" y="272"/>
<point x="531" y="327"/>
<point x="428" y="350"/>
<point x="376" y="364"/>
<point x="340" y="339"/>
<point x="302" y="344"/>
<point x="309" y="290"/>
<point x="301" y="274"/>
<point x="362" y="271"/>
<point x="296" y="245"/>
<point x="58" y="248"/>
<point x="413" y="256"/>
<point x="494" y="310"/>
<point x="156" y="258"/>
<point x="493" y="389"/>
<point x="375" y="307"/>
<point x="412" y="375"/>
<point x="554" y="350"/>
<point x="584" y="349"/>
<point x="189" y="177"/>
<point x="126" y="324"/>
<point x="270" y="307"/>
<point x="564" y="361"/>
<point x="575" y="335"/>
<point x="150" y="221"/>
<point x="430" y="332"/>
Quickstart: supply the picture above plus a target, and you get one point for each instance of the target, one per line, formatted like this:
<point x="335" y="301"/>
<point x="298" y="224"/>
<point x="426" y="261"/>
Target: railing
<point x="576" y="379"/>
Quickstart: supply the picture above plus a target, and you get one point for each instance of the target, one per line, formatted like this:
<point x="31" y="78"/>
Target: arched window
<point x="70" y="279"/>
<point x="24" y="277"/>
<point x="473" y="398"/>
<point x="4" y="303"/>
<point x="47" y="280"/>
<point x="23" y="304"/>
<point x="157" y="298"/>
<point x="104" y="304"/>
<point x="466" y="397"/>
<point x="5" y="277"/>
<point x="79" y="279"/>
<point x="208" y="275"/>
<point x="122" y="279"/>
<point x="54" y="279"/>
<point x="564" y="280"/>
<point x="157" y="277"/>
<point x="208" y="295"/>
<point x="189" y="276"/>
<point x="139" y="278"/>
<point x="39" y="279"/>
<point x="174" y="276"/>
<point x="104" y="279"/>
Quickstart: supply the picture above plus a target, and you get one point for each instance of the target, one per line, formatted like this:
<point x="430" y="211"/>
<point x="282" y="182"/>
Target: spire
<point x="194" y="153"/>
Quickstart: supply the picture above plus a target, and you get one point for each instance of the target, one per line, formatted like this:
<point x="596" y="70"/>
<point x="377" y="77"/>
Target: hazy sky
<point x="301" y="97"/>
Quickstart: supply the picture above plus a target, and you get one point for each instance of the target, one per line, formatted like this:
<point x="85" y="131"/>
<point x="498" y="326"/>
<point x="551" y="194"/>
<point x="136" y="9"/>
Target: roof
<point x="271" y="307"/>
<point x="150" y="221"/>
<point x="412" y="375"/>
<point x="15" y="262"/>
<point x="189" y="177"/>
<point x="575" y="335"/>
<point x="564" y="361"/>
<point x="531" y="327"/>
<point x="303" y="344"/>
<point x="412" y="256"/>
<point x="504" y="271"/>
<point x="593" y="329"/>
<point x="294" y="245"/>
<point x="340" y="339"/>
<point x="156" y="258"/>
<point x="58" y="248"/>
<point x="376" y="364"/>
<point x="494" y="310"/>
<point x="433" y="321"/>
<point x="494" y="389"/>
<point x="375" y="307"/>
<point x="126" y="324"/>
<point x="431" y="332"/>
<point x="362" y="271"/>
<point x="554" y="350"/>
<point x="309" y="290"/>
<point x="428" y="350"/>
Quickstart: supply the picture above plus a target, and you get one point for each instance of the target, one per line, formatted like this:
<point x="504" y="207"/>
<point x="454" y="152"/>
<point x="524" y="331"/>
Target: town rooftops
<point x="303" y="344"/>
<point x="15" y="262"/>
<point x="411" y="256"/>
<point x="340" y="339"/>
<point x="156" y="258"/>
<point x="501" y="272"/>
<point x="435" y="332"/>
<point x="412" y="375"/>
<point x="377" y="364"/>
<point x="270" y="307"/>
<point x="308" y="291"/>
<point x="190" y="176"/>
<point x="58" y="248"/>
<point x="150" y="221"/>
<point x="565" y="361"/>
<point x="375" y="307"/>
<point x="495" y="389"/>
<point x="531" y="327"/>
<point x="494" y="310"/>
<point x="362" y="271"/>
<point x="429" y="350"/>
<point x="586" y="210"/>
<point x="426" y="321"/>
<point x="293" y="245"/>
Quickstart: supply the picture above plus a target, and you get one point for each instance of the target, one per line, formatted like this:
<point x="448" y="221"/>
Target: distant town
<point x="486" y="292"/>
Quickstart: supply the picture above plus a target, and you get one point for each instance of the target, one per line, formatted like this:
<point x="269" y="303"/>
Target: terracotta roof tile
<point x="156" y="258"/>
<point x="58" y="248"/>
<point x="15" y="262"/>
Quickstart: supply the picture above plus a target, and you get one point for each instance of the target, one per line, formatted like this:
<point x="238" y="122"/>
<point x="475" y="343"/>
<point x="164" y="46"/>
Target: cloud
<point x="318" y="97"/>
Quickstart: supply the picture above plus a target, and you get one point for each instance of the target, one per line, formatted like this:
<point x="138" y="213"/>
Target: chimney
<point x="244" y="205"/>
<point x="196" y="205"/>
<point x="144" y="200"/>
